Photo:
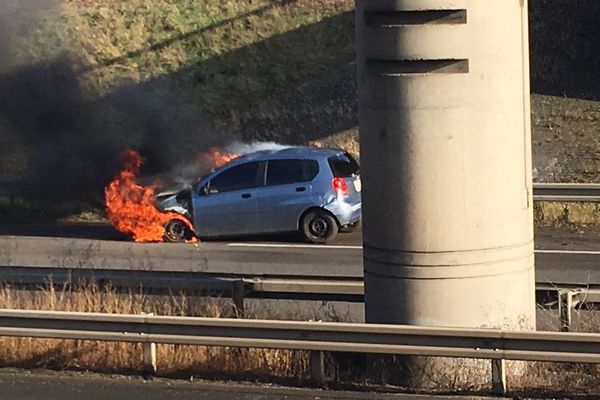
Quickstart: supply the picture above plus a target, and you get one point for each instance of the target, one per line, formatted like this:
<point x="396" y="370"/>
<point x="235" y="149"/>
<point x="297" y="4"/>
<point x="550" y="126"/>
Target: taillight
<point x="340" y="186"/>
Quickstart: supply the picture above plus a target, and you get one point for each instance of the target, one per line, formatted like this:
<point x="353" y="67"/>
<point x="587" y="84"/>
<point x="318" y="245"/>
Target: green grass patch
<point x="228" y="54"/>
<point x="172" y="77"/>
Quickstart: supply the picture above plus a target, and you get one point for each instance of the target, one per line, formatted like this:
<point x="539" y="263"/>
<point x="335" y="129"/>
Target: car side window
<point x="240" y="177"/>
<point x="311" y="169"/>
<point x="281" y="172"/>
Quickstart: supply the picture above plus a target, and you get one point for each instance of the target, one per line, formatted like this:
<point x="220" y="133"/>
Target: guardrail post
<point x="149" y="350"/>
<point x="498" y="376"/>
<point x="565" y="308"/>
<point x="238" y="293"/>
<point x="149" y="360"/>
<point x="317" y="368"/>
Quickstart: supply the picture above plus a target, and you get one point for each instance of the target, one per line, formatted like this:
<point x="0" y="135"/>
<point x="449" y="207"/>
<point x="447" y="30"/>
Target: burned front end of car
<point x="178" y="200"/>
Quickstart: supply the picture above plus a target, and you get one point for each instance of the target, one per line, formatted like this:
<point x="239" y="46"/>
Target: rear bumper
<point x="346" y="214"/>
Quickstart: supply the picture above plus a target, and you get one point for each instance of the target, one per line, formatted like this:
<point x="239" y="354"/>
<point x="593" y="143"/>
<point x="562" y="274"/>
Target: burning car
<point x="316" y="192"/>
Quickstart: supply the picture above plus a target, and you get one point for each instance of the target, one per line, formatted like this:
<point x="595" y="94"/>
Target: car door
<point x="227" y="205"/>
<point x="287" y="193"/>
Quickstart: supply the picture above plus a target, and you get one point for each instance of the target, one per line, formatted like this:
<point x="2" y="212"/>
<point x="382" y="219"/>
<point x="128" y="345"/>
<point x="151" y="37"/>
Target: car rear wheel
<point x="319" y="226"/>
<point x="177" y="231"/>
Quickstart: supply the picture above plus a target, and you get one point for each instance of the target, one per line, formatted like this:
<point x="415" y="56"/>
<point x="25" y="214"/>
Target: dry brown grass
<point x="561" y="379"/>
<point x="557" y="214"/>
<point x="173" y="360"/>
<point x="470" y="376"/>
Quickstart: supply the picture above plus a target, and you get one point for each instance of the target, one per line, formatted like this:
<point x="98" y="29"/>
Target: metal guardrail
<point x="565" y="192"/>
<point x="293" y="288"/>
<point x="564" y="298"/>
<point x="490" y="344"/>
<point x="239" y="287"/>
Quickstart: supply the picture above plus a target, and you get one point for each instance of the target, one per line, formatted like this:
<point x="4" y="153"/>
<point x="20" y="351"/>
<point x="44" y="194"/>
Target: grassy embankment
<point x="167" y="77"/>
<point x="171" y="77"/>
<point x="566" y="102"/>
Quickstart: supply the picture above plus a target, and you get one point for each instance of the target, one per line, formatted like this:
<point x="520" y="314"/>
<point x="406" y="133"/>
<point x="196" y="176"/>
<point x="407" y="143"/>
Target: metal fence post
<point x="565" y="308"/>
<point x="238" y="293"/>
<point x="149" y="351"/>
<point x="317" y="368"/>
<point x="498" y="376"/>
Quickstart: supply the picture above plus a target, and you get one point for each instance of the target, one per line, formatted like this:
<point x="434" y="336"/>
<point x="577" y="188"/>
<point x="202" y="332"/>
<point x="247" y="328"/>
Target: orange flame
<point x="216" y="158"/>
<point x="130" y="206"/>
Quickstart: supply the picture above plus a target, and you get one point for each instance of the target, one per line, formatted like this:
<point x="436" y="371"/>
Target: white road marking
<point x="333" y="247"/>
<point x="290" y="246"/>
<point x="581" y="252"/>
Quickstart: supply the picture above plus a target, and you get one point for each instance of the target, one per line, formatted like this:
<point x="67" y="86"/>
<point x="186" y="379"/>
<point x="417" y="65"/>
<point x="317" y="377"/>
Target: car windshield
<point x="343" y="165"/>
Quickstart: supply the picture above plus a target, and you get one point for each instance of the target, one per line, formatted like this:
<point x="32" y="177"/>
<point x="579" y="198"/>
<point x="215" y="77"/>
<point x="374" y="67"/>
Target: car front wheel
<point x="177" y="231"/>
<point x="319" y="226"/>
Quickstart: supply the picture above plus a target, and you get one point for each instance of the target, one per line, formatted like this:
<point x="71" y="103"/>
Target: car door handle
<point x="246" y="196"/>
<point x="301" y="189"/>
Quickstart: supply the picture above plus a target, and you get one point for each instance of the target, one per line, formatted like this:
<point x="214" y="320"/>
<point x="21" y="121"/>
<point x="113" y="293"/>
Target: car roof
<point x="288" y="152"/>
<point x="279" y="153"/>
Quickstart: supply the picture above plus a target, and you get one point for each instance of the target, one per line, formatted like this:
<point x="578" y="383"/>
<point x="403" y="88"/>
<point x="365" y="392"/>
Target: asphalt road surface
<point x="19" y="386"/>
<point x="567" y="257"/>
<point x="545" y="237"/>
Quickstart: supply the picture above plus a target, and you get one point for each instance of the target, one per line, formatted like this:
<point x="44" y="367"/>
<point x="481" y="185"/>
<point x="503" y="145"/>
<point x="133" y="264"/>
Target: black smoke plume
<point x="64" y="141"/>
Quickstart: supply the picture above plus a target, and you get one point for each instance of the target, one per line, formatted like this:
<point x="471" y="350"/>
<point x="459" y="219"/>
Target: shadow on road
<point x="101" y="231"/>
<point x="105" y="231"/>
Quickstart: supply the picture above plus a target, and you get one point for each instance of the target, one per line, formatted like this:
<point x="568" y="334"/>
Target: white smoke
<point x="189" y="172"/>
<point x="245" y="148"/>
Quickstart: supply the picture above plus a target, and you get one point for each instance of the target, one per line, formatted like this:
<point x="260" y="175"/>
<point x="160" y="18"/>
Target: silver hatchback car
<point x="314" y="191"/>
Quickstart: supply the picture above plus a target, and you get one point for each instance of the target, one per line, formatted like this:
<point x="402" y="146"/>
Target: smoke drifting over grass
<point x="17" y="19"/>
<point x="64" y="140"/>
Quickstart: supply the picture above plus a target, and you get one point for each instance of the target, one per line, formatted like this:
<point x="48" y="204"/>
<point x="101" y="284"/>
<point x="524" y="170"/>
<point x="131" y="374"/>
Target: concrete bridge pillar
<point x="446" y="162"/>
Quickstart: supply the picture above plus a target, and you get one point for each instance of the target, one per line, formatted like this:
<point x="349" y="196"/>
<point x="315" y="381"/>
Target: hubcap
<point x="319" y="227"/>
<point x="175" y="230"/>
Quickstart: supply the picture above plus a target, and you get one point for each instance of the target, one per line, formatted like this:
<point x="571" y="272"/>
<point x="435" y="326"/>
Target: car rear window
<point x="343" y="165"/>
<point x="281" y="172"/>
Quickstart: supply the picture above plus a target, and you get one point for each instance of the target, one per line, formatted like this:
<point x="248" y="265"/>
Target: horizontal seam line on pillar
<point x="366" y="272"/>
<point x="367" y="246"/>
<point x="468" y="265"/>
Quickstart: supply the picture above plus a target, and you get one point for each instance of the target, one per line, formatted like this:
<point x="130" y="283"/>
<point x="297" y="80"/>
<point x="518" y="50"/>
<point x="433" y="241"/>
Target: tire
<point x="176" y="231"/>
<point x="350" y="228"/>
<point x="318" y="226"/>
